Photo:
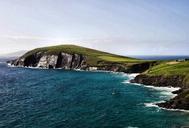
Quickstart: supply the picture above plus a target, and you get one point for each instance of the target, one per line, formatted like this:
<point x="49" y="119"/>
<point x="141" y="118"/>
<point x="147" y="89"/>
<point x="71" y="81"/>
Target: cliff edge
<point x="169" y="74"/>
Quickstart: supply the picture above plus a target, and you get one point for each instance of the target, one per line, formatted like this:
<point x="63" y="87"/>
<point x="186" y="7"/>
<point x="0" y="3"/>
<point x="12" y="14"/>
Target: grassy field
<point x="93" y="56"/>
<point x="171" y="68"/>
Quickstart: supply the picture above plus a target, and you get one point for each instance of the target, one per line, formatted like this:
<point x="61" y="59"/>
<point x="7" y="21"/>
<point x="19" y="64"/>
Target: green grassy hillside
<point x="171" y="68"/>
<point x="93" y="56"/>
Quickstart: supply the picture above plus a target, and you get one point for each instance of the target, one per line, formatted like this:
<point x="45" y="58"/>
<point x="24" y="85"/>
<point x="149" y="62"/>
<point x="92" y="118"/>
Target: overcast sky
<point x="126" y="27"/>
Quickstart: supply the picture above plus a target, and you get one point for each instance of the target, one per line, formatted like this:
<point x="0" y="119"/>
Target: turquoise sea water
<point x="34" y="98"/>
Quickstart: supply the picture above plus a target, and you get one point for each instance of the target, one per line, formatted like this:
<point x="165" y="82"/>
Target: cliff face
<point x="77" y="57"/>
<point x="173" y="81"/>
<point x="42" y="60"/>
<point x="74" y="61"/>
<point x="181" y="101"/>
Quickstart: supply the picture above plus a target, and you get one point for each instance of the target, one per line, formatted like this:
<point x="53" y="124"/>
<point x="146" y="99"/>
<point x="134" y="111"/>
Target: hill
<point x="171" y="68"/>
<point x="77" y="57"/>
<point x="93" y="56"/>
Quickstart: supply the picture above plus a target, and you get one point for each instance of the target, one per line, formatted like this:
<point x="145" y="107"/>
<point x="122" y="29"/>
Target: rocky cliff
<point x="76" y="57"/>
<point x="75" y="61"/>
<point x="181" y="101"/>
<point x="166" y="81"/>
<point x="43" y="60"/>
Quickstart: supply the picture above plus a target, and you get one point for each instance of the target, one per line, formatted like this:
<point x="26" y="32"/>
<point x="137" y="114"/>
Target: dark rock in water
<point x="179" y="102"/>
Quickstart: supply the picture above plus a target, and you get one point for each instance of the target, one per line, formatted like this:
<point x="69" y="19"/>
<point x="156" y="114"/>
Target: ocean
<point x="36" y="98"/>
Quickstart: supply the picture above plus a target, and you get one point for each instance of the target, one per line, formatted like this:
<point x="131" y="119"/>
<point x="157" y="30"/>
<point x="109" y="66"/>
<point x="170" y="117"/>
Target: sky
<point x="125" y="27"/>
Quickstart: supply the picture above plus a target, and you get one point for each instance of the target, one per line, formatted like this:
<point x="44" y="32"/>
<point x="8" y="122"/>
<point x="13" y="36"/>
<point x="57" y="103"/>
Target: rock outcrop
<point x="181" y="101"/>
<point x="65" y="60"/>
<point x="164" y="81"/>
<point x="43" y="60"/>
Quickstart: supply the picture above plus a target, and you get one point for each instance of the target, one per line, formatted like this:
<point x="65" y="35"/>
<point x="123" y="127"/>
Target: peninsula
<point x="173" y="73"/>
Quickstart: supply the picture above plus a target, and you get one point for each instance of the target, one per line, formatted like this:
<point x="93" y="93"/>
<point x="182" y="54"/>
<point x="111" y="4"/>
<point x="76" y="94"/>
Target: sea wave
<point x="133" y="75"/>
<point x="176" y="110"/>
<point x="130" y="77"/>
<point x="154" y="104"/>
<point x="131" y="127"/>
<point x="168" y="89"/>
<point x="163" y="90"/>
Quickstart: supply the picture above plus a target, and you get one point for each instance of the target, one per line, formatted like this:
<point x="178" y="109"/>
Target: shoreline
<point x="155" y="104"/>
<point x="79" y="70"/>
<point x="131" y="77"/>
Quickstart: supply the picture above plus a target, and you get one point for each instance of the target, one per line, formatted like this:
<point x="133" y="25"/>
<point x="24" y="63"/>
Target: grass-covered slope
<point x="171" y="68"/>
<point x="93" y="56"/>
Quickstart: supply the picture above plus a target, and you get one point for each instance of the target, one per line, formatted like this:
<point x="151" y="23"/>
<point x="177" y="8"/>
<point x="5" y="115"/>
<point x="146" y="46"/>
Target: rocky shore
<point x="71" y="57"/>
<point x="181" y="101"/>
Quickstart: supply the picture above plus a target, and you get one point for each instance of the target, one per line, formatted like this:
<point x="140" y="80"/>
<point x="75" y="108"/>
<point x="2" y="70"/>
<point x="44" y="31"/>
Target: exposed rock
<point x="172" y="81"/>
<point x="181" y="101"/>
<point x="64" y="61"/>
<point x="48" y="61"/>
<point x="76" y="61"/>
<point x="141" y="67"/>
<point x="43" y="60"/>
<point x="32" y="60"/>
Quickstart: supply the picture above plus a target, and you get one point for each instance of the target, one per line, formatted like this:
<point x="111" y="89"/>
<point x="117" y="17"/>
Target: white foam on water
<point x="133" y="75"/>
<point x="131" y="127"/>
<point x="175" y="110"/>
<point x="126" y="82"/>
<point x="163" y="90"/>
<point x="10" y="65"/>
<point x="166" y="91"/>
<point x="153" y="104"/>
<point x="130" y="76"/>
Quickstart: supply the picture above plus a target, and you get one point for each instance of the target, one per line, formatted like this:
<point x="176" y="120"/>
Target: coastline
<point x="169" y="89"/>
<point x="172" y="103"/>
<point x="132" y="76"/>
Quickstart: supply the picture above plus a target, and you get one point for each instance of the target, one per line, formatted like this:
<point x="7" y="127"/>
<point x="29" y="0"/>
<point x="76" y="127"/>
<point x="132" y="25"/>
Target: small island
<point x="172" y="73"/>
